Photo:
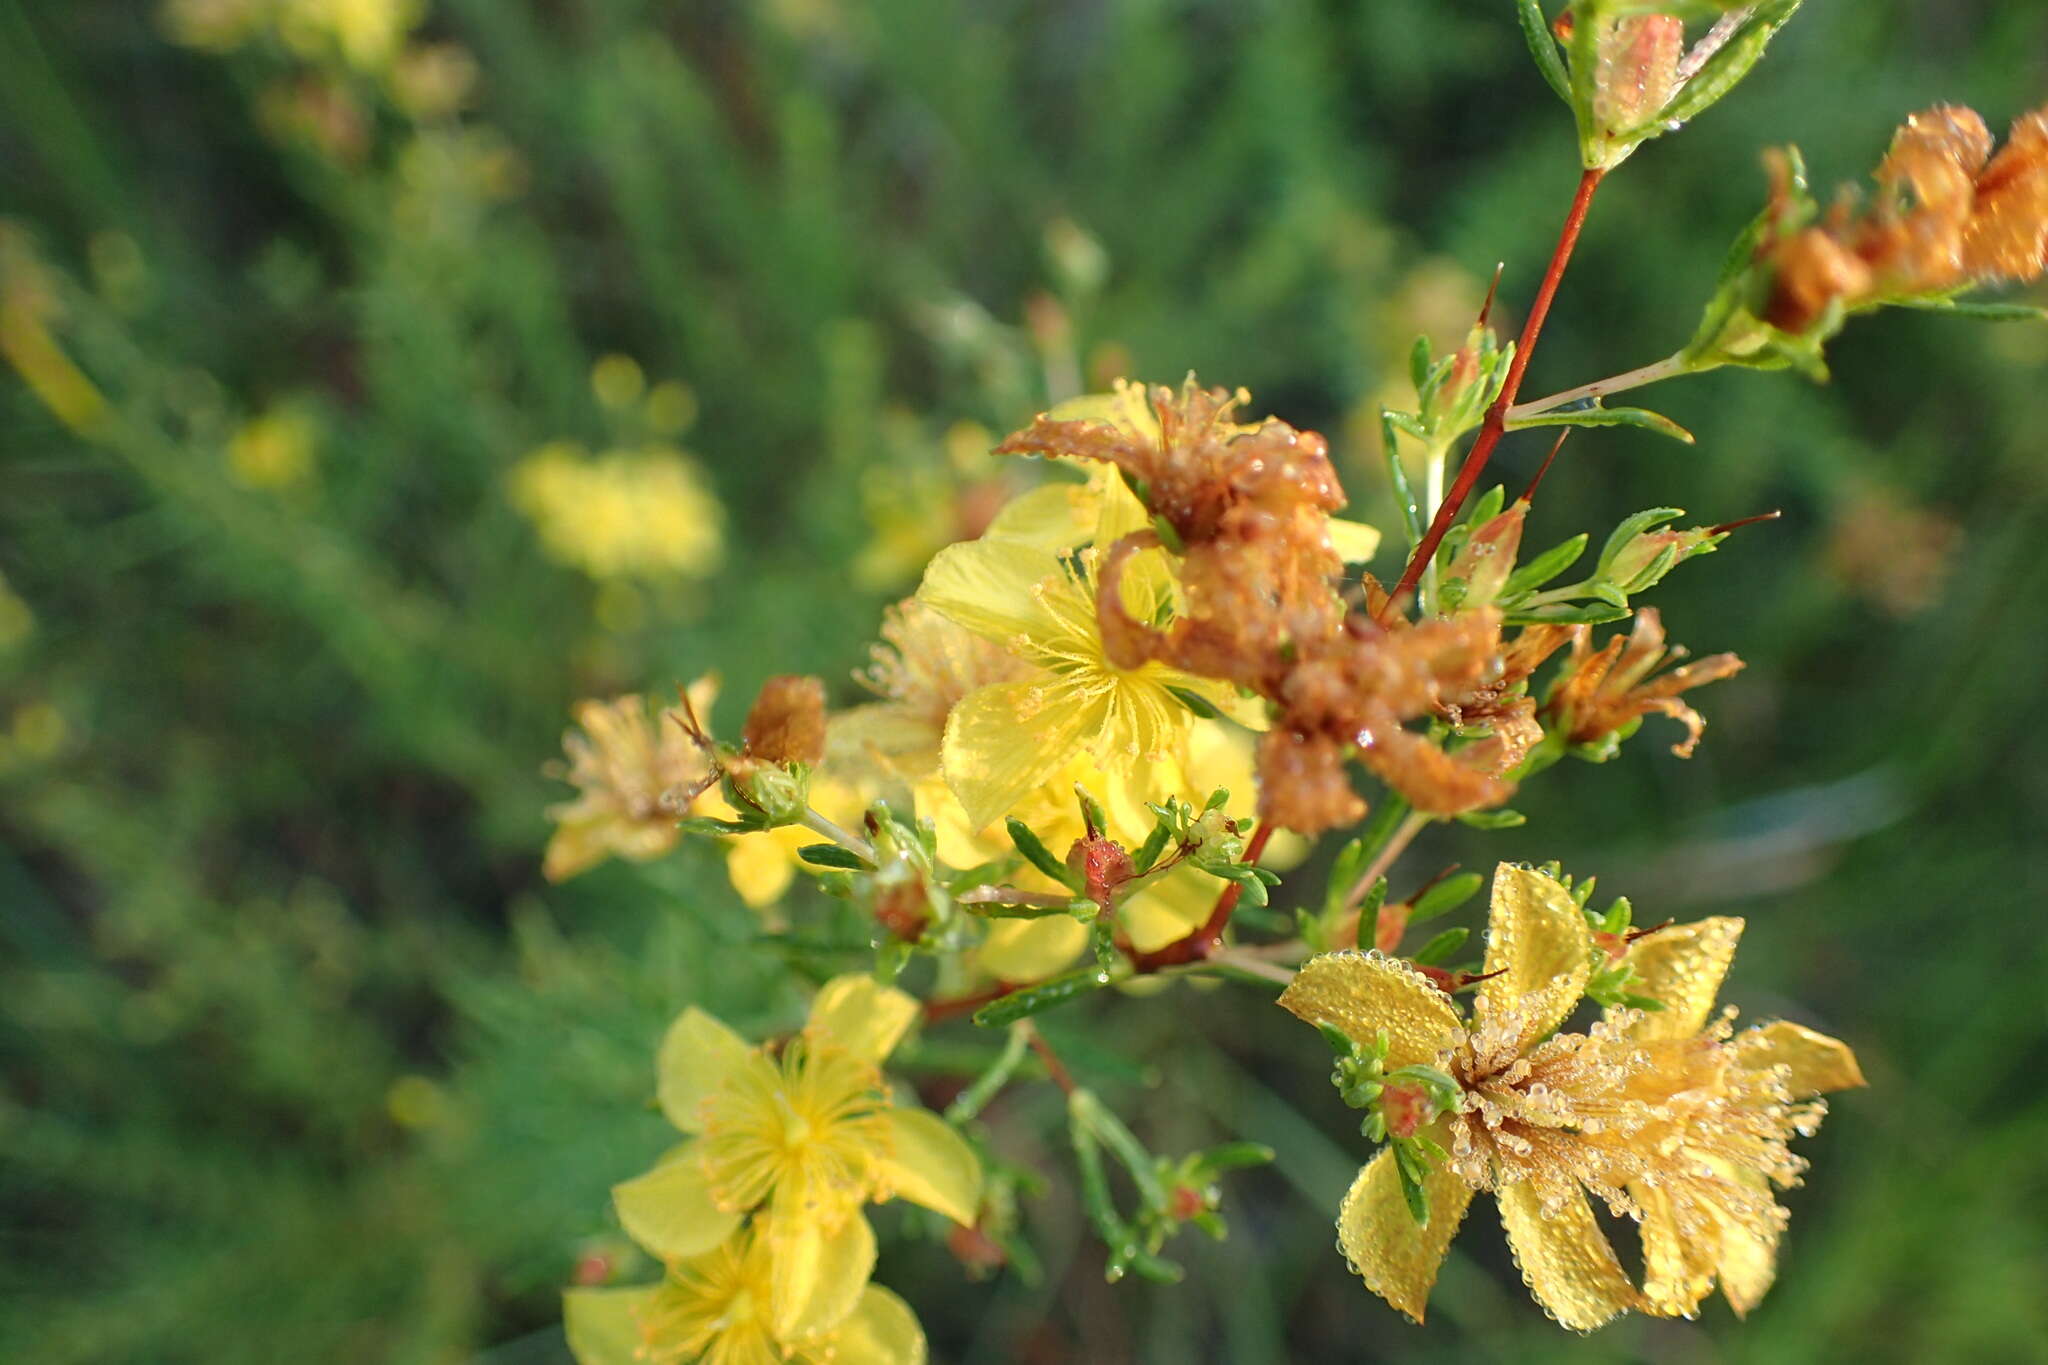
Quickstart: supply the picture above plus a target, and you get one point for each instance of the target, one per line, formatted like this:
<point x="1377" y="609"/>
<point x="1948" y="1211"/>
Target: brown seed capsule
<point x="787" y="722"/>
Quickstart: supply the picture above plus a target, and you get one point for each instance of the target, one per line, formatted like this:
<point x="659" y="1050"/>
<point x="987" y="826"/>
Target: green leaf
<point x="1567" y="614"/>
<point x="1441" y="947"/>
<point x="1545" y="567"/>
<point x="1493" y="819"/>
<point x="1597" y="416"/>
<point x="1037" y="999"/>
<point x="1149" y="851"/>
<point x="1404" y="495"/>
<point x="1647" y="520"/>
<point x="1418" y="365"/>
<point x="832" y="855"/>
<point x="1034" y="849"/>
<point x="1726" y="68"/>
<point x="1987" y="312"/>
<point x="1543" y="47"/>
<point x="1446" y="896"/>
<point x="1410" y="1165"/>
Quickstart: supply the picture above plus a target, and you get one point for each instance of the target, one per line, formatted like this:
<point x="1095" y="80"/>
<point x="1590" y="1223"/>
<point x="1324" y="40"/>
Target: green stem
<point x="985" y="1088"/>
<point x="1670" y="367"/>
<point x="846" y="839"/>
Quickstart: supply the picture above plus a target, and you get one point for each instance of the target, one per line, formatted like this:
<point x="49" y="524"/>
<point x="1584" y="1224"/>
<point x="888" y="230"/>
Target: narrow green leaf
<point x="1441" y="947"/>
<point x="1545" y="567"/>
<point x="1631" y="527"/>
<point x="1567" y="614"/>
<point x="1986" y="312"/>
<point x="1404" y="495"/>
<point x="832" y="855"/>
<point x="1493" y="819"/>
<point x="1543" y="47"/>
<point x="1605" y="417"/>
<point x="1446" y="896"/>
<point x="1037" y="999"/>
<point x="1726" y="68"/>
<point x="1033" y="848"/>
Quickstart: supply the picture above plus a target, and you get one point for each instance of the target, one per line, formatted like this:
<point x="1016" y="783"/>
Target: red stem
<point x="1054" y="1067"/>
<point x="1203" y="942"/>
<point x="938" y="1011"/>
<point x="1496" y="422"/>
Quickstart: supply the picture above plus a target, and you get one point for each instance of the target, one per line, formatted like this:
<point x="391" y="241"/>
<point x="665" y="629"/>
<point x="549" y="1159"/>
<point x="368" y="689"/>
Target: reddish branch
<point x="1496" y="421"/>
<point x="1200" y="945"/>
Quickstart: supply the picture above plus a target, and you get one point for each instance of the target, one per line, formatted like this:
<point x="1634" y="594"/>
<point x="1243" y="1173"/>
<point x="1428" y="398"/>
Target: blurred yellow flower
<point x="625" y="767"/>
<point x="273" y="451"/>
<point x="630" y="513"/>
<point x="617" y="380"/>
<point x="1635" y="1107"/>
<point x="367" y="33"/>
<point x="715" y="1308"/>
<point x="804" y="1138"/>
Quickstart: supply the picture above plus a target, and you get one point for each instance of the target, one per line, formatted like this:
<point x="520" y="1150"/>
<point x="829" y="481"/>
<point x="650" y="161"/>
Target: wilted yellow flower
<point x="643" y="513"/>
<point x="626" y="767"/>
<point x="1679" y="1127"/>
<point x="274" y="450"/>
<point x="715" y="1308"/>
<point x="806" y="1138"/>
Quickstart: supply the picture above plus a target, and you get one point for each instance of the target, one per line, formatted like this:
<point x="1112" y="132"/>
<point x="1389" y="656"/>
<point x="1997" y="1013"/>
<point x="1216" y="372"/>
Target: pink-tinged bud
<point x="1638" y="70"/>
<point x="1393" y="923"/>
<point x="1406" y="1107"/>
<point x="1636" y="557"/>
<point x="1104" y="867"/>
<point x="1185" y="1202"/>
<point x="592" y="1269"/>
<point x="1488" y="558"/>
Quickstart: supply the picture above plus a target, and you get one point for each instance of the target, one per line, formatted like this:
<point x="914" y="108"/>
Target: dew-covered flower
<point x="1680" y="1127"/>
<point x="804" y="1137"/>
<point x="716" y="1308"/>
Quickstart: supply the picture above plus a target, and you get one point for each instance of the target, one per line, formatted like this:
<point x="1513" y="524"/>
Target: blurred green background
<point x="299" y="1057"/>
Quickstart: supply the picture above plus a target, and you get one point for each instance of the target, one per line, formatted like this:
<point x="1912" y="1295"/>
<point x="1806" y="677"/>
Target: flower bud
<point x="1637" y="72"/>
<point x="1488" y="558"/>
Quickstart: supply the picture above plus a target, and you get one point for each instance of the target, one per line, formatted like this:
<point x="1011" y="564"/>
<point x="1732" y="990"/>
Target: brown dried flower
<point x="787" y="721"/>
<point x="1602" y="691"/>
<point x="1949" y="216"/>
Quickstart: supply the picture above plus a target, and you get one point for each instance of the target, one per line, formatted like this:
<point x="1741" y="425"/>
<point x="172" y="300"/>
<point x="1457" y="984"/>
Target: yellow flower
<point x="274" y="450"/>
<point x="715" y="1308"/>
<point x="1680" y="1129"/>
<point x="1004" y="740"/>
<point x="630" y="513"/>
<point x="806" y="1138"/>
<point x="625" y="767"/>
<point x="1724" y="1228"/>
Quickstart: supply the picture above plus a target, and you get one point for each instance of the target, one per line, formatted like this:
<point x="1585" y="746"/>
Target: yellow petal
<point x="818" y="1272"/>
<point x="760" y="868"/>
<point x="1169" y="908"/>
<point x="1354" y="541"/>
<point x="1817" y="1063"/>
<point x="669" y="1210"/>
<point x="858" y="1013"/>
<point x="603" y="1326"/>
<point x="1749" y="1260"/>
<point x="698" y="1056"/>
<point x="991" y="588"/>
<point x="1540" y="945"/>
<point x="1397" y="1259"/>
<point x="1364" y="993"/>
<point x="1003" y="742"/>
<point x="577" y="846"/>
<point x="1681" y="968"/>
<point x="1021" y="951"/>
<point x="882" y="1331"/>
<point x="1564" y="1257"/>
<point x="1056" y="517"/>
<point x="1678" y="1269"/>
<point x="931" y="1164"/>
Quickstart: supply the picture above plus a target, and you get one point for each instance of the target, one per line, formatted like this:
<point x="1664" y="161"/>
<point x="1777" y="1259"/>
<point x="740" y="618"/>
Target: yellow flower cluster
<point x="640" y="513"/>
<point x="757" y="1217"/>
<point x="367" y="34"/>
<point x="1668" y="1117"/>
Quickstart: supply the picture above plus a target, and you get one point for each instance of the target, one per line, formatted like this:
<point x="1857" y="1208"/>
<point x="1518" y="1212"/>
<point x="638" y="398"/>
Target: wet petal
<point x="1678" y="1270"/>
<point x="990" y="587"/>
<point x="1539" y="943"/>
<point x="931" y="1164"/>
<point x="1396" y="1258"/>
<point x="698" y="1056"/>
<point x="1749" y="1261"/>
<point x="818" y="1273"/>
<point x="1363" y="993"/>
<point x="602" y="1324"/>
<point x="670" y="1211"/>
<point x="1564" y="1257"/>
<point x="1020" y="951"/>
<point x="882" y="1331"/>
<point x="1005" y="741"/>
<point x="1681" y="968"/>
<point x="1817" y="1062"/>
<point x="861" y="1015"/>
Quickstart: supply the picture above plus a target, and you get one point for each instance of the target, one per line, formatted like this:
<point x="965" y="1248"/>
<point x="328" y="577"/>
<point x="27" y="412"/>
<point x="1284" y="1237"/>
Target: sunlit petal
<point x="1396" y="1257"/>
<point x="670" y="1210"/>
<point x="698" y="1056"/>
<point x="1681" y="968"/>
<point x="991" y="588"/>
<point x="1005" y="741"/>
<point x="1564" y="1257"/>
<point x="1538" y="942"/>
<point x="602" y="1324"/>
<point x="1354" y="541"/>
<point x="861" y="1015"/>
<point x="1816" y="1062"/>
<point x="930" y="1164"/>
<point x="1678" y="1270"/>
<point x="1019" y="951"/>
<point x="882" y="1331"/>
<point x="818" y="1275"/>
<point x="1056" y="517"/>
<point x="1364" y="993"/>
